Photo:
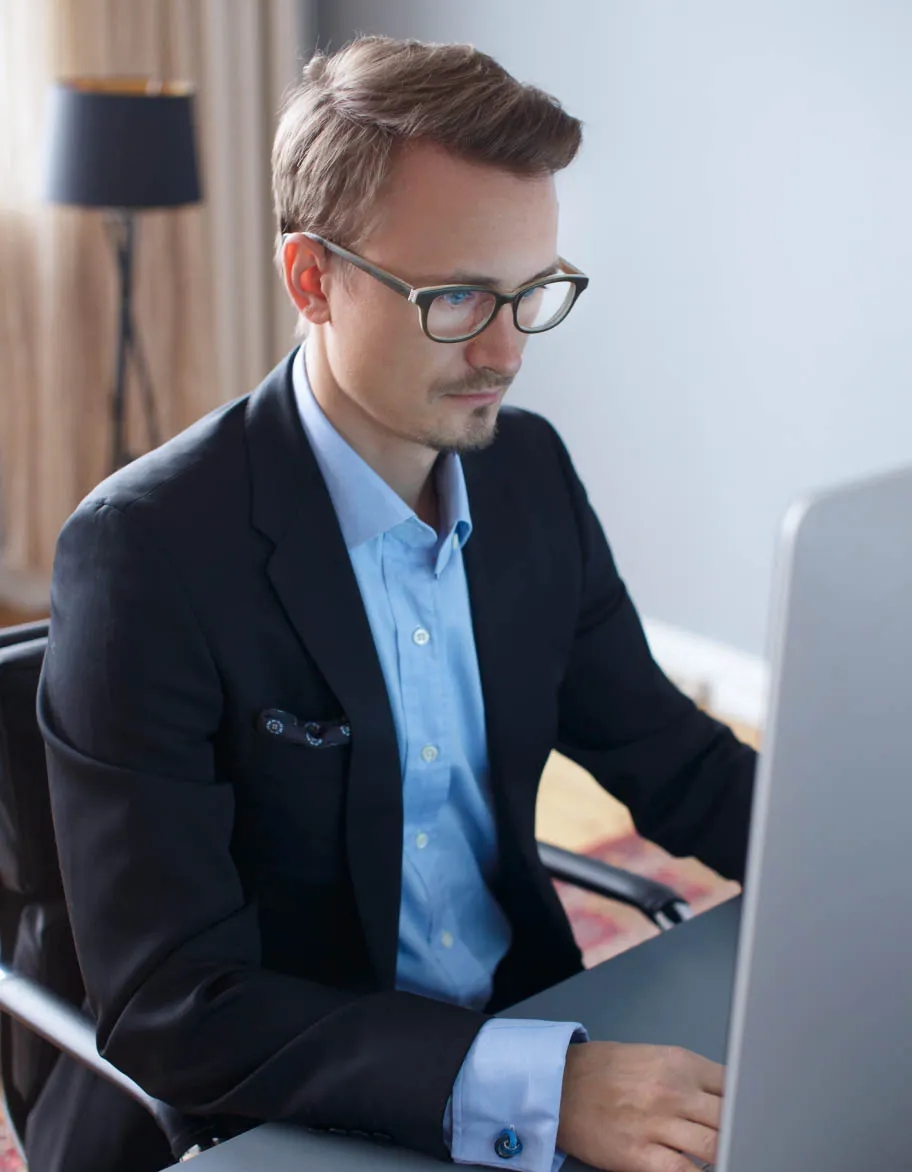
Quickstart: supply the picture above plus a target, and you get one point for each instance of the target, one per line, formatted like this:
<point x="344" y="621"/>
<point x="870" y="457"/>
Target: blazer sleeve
<point x="129" y="703"/>
<point x="685" y="777"/>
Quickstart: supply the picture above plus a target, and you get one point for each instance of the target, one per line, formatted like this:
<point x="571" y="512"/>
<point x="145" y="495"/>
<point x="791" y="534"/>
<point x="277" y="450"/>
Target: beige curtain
<point x="207" y="305"/>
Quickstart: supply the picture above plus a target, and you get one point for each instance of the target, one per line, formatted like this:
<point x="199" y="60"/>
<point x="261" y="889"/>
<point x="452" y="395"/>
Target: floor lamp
<point x="123" y="145"/>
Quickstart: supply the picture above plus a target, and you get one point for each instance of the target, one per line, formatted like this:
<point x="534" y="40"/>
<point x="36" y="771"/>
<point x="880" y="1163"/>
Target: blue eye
<point x="458" y="297"/>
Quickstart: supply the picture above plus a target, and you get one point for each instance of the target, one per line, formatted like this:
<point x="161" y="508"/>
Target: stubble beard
<point x="480" y="428"/>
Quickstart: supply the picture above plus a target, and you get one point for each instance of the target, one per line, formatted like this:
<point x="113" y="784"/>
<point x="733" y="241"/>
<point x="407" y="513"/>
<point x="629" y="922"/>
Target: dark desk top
<point x="673" y="990"/>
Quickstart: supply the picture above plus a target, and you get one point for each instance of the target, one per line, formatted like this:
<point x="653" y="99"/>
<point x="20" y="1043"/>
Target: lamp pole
<point x="122" y="231"/>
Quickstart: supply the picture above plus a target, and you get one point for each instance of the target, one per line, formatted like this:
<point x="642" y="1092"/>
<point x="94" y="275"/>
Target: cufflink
<point x="508" y="1144"/>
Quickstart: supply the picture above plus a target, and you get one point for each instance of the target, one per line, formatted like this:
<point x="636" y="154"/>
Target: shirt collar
<point x="365" y="504"/>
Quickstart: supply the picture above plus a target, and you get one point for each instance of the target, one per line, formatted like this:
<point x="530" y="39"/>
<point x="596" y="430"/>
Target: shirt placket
<point x="424" y="705"/>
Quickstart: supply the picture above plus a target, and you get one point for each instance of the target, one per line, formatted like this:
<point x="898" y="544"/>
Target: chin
<point x="470" y="433"/>
<point x="473" y="438"/>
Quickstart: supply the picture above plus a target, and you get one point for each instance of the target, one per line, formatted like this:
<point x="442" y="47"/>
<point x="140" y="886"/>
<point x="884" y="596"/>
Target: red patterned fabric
<point x="9" y="1156"/>
<point x="603" y="928"/>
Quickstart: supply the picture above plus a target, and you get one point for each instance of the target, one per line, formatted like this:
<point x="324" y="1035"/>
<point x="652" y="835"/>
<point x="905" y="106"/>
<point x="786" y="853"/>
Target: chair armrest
<point x="661" y="904"/>
<point x="24" y="632"/>
<point x="71" y="1032"/>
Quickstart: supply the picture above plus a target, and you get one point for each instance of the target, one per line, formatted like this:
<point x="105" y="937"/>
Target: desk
<point x="674" y="989"/>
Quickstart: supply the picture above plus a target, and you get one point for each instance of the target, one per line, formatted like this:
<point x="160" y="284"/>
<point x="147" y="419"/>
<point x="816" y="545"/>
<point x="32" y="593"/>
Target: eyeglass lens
<point x="460" y="312"/>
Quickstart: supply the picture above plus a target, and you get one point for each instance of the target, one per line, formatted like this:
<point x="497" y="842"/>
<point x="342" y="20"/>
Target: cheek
<point x="363" y="335"/>
<point x="381" y="327"/>
<point x="406" y="361"/>
<point x="379" y="353"/>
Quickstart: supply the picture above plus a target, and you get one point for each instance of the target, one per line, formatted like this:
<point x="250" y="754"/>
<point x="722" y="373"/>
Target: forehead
<point x="441" y="213"/>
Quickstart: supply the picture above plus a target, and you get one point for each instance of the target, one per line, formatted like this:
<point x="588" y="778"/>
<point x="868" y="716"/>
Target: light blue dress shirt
<point x="452" y="932"/>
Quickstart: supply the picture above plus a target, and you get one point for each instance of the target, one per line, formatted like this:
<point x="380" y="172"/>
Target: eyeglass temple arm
<point x="569" y="269"/>
<point x="359" y="262"/>
<point x="386" y="278"/>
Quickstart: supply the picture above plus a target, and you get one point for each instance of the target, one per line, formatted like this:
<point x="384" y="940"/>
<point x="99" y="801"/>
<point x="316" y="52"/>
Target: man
<point x="309" y="658"/>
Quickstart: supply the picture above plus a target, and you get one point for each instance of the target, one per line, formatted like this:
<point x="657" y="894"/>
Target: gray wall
<point x="742" y="206"/>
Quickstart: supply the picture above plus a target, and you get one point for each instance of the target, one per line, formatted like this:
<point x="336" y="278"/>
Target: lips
<point x="478" y="396"/>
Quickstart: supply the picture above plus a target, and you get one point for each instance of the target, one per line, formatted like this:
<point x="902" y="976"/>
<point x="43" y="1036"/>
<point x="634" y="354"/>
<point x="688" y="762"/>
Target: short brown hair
<point x="341" y="124"/>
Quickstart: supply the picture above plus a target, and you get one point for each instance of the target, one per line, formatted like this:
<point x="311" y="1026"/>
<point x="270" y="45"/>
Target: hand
<point x="628" y="1108"/>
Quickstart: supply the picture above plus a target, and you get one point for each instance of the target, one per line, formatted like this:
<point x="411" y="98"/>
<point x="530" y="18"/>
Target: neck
<point x="406" y="466"/>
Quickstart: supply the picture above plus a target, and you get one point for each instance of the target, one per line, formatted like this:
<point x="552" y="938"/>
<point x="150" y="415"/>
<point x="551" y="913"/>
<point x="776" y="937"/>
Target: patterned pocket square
<point x="317" y="734"/>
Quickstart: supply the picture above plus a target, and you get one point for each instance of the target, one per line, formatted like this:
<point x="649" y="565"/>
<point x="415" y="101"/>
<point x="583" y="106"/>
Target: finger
<point x="703" y="1108"/>
<point x="710" y="1075"/>
<point x="658" y="1158"/>
<point x="693" y="1139"/>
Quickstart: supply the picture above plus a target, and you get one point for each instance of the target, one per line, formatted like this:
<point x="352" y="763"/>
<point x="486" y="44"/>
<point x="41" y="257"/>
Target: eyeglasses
<point x="455" y="313"/>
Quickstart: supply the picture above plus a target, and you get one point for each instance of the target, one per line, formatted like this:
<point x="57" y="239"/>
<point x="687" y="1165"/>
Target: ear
<point x="304" y="265"/>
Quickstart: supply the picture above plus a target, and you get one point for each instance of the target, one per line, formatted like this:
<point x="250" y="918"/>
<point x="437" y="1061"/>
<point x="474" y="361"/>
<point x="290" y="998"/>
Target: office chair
<point x="41" y="989"/>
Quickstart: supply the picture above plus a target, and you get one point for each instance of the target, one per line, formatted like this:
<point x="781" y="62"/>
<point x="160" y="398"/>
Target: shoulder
<point x="198" y="484"/>
<point x="523" y="437"/>
<point x="201" y="459"/>
<point x="520" y="427"/>
<point x="173" y="507"/>
<point x="526" y="447"/>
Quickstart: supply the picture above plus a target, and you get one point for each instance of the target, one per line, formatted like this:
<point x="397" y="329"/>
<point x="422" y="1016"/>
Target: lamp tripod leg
<point x="146" y="389"/>
<point x="122" y="229"/>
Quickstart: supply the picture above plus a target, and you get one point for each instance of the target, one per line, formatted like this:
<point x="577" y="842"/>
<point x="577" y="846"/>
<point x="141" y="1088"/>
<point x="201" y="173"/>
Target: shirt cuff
<point x="511" y="1078"/>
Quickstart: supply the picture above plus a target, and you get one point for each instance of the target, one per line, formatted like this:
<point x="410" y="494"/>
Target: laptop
<point x="819" y="1061"/>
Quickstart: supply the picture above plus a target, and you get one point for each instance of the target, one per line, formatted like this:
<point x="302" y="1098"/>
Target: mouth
<point x="480" y="399"/>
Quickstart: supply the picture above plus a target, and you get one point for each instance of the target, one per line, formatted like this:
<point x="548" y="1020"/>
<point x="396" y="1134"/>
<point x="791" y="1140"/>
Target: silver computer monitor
<point x="820" y="1042"/>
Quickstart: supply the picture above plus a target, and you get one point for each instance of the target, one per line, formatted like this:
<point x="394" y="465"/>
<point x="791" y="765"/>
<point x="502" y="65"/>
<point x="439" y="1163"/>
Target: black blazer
<point x="234" y="894"/>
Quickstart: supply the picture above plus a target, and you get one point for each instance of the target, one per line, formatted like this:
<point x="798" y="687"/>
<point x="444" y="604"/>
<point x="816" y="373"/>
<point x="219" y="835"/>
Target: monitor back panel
<point x="820" y="1043"/>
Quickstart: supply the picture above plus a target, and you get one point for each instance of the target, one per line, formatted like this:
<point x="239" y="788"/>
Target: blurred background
<point x="741" y="205"/>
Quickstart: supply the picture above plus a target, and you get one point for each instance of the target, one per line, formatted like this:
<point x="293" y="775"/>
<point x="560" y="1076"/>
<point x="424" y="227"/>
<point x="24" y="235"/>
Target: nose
<point x="499" y="346"/>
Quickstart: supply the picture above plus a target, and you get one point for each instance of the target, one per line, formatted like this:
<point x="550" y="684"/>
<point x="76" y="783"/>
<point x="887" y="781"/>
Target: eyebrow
<point x="465" y="278"/>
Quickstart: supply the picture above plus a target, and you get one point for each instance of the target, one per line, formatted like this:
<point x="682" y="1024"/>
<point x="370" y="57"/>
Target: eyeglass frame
<point x="423" y="296"/>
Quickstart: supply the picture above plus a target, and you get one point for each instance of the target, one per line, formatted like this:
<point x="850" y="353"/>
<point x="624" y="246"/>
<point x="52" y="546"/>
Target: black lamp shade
<point x="121" y="143"/>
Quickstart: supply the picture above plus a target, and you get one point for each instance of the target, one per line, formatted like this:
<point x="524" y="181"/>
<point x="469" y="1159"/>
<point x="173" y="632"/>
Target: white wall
<point x="742" y="205"/>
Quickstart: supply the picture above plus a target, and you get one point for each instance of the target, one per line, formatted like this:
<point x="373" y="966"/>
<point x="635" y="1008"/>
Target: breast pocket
<point x="291" y="809"/>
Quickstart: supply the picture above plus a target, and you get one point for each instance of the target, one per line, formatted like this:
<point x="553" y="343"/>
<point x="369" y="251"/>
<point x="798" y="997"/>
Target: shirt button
<point x="446" y="939"/>
<point x="421" y="840"/>
<point x="429" y="753"/>
<point x="455" y="541"/>
<point x="421" y="636"/>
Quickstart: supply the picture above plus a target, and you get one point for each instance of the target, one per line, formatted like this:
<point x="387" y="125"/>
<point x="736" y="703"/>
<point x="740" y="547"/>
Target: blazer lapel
<point x="500" y="559"/>
<point x="517" y="603"/>
<point x="311" y="574"/>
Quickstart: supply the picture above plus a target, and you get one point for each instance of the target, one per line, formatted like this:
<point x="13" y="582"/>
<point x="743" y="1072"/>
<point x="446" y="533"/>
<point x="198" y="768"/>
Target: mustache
<point x="478" y="383"/>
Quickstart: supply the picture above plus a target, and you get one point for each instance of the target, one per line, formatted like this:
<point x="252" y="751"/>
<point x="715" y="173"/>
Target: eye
<point x="458" y="298"/>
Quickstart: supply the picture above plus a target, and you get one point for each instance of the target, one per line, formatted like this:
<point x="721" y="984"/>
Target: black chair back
<point x="35" y="937"/>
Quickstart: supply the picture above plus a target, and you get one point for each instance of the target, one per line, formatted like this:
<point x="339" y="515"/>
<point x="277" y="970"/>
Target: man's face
<point x="443" y="220"/>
